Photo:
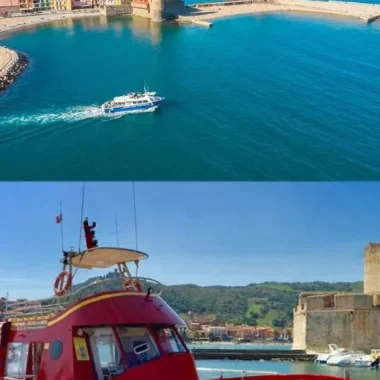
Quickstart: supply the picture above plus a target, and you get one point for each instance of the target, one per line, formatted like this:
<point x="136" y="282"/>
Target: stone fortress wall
<point x="349" y="320"/>
<point x="156" y="10"/>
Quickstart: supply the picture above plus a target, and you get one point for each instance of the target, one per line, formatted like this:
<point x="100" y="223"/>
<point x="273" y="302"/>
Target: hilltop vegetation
<point x="268" y="303"/>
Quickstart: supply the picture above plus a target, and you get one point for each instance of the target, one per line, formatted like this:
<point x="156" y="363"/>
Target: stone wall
<point x="353" y="302"/>
<point x="372" y="269"/>
<point x="116" y="10"/>
<point x="315" y="303"/>
<point x="141" y="12"/>
<point x="157" y="10"/>
<point x="355" y="330"/>
<point x="299" y="331"/>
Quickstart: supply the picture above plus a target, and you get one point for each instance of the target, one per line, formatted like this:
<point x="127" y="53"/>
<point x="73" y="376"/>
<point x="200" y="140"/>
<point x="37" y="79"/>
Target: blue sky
<point x="203" y="233"/>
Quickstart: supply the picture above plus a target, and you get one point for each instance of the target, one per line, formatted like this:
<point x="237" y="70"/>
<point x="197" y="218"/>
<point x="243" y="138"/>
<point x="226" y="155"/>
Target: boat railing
<point x="52" y="305"/>
<point x="19" y="377"/>
<point x="241" y="373"/>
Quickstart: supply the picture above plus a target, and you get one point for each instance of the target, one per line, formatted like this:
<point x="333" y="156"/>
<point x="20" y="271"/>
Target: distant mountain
<point x="268" y="303"/>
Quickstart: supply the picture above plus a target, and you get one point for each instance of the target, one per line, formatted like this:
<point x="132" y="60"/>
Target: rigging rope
<point x="137" y="243"/>
<point x="134" y="206"/>
<point x="60" y="215"/>
<point x="117" y="232"/>
<point x="80" y="229"/>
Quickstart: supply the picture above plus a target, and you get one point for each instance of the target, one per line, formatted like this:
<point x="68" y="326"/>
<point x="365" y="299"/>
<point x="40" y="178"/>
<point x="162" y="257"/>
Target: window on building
<point x="138" y="344"/>
<point x="169" y="340"/>
<point x="17" y="356"/>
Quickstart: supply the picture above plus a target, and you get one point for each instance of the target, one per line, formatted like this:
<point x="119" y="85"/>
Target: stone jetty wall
<point x="116" y="10"/>
<point x="15" y="66"/>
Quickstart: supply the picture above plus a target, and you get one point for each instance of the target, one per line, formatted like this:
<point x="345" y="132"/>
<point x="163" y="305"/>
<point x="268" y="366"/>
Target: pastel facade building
<point x="9" y="5"/>
<point x="61" y="5"/>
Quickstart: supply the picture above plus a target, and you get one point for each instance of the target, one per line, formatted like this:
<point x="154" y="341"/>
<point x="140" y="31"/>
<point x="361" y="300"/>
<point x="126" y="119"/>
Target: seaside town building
<point x="61" y="5"/>
<point x="9" y="5"/>
<point x="349" y="320"/>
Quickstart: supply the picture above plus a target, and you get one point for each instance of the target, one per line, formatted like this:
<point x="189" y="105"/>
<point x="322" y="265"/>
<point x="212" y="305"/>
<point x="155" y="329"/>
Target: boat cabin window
<point x="169" y="340"/>
<point x="138" y="345"/>
<point x="17" y="356"/>
<point x="108" y="360"/>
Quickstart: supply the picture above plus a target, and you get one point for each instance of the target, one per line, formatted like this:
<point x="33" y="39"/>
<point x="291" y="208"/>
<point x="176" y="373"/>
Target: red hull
<point x="69" y="346"/>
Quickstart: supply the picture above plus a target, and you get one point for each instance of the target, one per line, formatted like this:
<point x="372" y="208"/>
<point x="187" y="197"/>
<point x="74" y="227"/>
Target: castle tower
<point x="372" y="269"/>
<point x="157" y="9"/>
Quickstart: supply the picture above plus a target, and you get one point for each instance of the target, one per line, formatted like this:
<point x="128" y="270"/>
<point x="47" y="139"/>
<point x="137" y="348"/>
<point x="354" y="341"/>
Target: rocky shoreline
<point x="13" y="68"/>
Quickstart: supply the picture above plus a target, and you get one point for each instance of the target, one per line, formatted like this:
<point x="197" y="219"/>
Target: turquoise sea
<point x="280" y="96"/>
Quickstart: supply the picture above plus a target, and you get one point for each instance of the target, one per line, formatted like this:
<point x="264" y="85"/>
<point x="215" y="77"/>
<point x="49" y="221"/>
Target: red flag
<point x="58" y="218"/>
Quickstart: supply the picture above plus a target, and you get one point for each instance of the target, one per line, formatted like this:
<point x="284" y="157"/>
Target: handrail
<point x="19" y="377"/>
<point x="52" y="305"/>
<point x="244" y="373"/>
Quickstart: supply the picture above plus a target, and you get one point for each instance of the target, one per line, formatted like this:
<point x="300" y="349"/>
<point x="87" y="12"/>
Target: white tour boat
<point x="133" y="101"/>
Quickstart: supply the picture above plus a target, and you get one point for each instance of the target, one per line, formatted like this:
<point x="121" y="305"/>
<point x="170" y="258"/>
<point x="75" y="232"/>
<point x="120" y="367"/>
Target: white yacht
<point x="367" y="360"/>
<point x="334" y="350"/>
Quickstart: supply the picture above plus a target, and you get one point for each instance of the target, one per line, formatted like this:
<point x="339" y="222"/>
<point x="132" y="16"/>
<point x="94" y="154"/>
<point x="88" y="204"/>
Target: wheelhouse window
<point x="138" y="344"/>
<point x="169" y="340"/>
<point x="17" y="356"/>
<point x="108" y="360"/>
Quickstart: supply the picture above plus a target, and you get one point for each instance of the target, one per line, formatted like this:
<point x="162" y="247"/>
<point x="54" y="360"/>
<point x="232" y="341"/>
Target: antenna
<point x="134" y="207"/>
<point x="81" y="218"/>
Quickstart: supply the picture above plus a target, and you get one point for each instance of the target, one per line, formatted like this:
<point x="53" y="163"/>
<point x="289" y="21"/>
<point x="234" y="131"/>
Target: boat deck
<point x="31" y="314"/>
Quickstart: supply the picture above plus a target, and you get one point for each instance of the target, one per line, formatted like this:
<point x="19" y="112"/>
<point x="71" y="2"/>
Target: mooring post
<point x="346" y="374"/>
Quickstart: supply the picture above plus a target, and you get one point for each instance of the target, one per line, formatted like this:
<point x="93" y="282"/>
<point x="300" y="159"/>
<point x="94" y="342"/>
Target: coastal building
<point x="217" y="332"/>
<point x="9" y="5"/>
<point x="183" y="330"/>
<point x="284" y="334"/>
<point x="61" y="5"/>
<point x="203" y="320"/>
<point x="249" y="333"/>
<point x="349" y="320"/>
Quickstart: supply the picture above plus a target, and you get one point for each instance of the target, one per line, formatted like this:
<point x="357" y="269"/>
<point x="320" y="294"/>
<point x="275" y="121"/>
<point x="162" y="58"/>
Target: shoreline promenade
<point x="363" y="11"/>
<point x="11" y="24"/>
<point x="201" y="14"/>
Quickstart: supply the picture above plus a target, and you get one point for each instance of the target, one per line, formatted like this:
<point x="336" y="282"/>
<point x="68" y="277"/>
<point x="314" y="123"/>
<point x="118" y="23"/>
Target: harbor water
<point x="206" y="367"/>
<point x="279" y="96"/>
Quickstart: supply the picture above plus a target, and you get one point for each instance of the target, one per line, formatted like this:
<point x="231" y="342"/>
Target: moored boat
<point x="132" y="102"/>
<point x="334" y="350"/>
<point x="367" y="360"/>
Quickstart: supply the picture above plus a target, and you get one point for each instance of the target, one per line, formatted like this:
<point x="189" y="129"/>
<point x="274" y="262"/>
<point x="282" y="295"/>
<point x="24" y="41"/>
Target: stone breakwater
<point x="12" y="64"/>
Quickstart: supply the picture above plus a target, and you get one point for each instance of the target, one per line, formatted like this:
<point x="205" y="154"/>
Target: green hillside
<point x="268" y="303"/>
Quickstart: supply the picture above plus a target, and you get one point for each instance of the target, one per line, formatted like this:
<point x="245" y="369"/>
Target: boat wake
<point x="68" y="115"/>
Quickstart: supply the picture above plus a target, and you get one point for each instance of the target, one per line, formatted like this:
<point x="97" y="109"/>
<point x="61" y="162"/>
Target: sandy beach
<point x="16" y="23"/>
<point x="360" y="11"/>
